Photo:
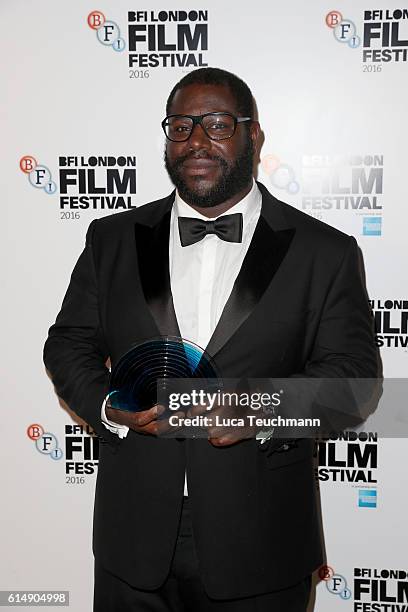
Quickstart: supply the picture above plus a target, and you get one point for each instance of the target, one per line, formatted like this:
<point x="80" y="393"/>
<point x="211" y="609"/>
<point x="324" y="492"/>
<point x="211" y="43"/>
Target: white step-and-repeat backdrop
<point x="84" y="93"/>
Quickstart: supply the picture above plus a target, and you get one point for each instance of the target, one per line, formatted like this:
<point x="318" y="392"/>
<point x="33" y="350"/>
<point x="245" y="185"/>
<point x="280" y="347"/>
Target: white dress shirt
<point x="202" y="275"/>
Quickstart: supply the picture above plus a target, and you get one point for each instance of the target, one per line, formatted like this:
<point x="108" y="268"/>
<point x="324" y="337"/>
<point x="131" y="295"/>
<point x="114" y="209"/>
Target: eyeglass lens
<point x="217" y="127"/>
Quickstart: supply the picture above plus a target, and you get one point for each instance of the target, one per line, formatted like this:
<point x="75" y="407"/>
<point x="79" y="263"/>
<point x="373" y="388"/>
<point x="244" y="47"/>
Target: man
<point x="269" y="292"/>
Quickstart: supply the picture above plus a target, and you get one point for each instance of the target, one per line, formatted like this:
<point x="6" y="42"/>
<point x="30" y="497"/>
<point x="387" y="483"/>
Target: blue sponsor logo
<point x="367" y="498"/>
<point x="372" y="226"/>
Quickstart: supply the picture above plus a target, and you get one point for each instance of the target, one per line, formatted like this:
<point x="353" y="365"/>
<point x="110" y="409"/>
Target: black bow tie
<point x="226" y="227"/>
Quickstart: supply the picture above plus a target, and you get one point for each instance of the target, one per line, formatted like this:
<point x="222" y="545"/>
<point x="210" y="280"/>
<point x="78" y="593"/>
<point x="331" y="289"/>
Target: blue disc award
<point x="134" y="379"/>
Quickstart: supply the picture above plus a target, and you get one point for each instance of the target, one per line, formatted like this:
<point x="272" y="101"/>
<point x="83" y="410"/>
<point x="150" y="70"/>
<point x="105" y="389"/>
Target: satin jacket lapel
<point x="152" y="246"/>
<point x="269" y="245"/>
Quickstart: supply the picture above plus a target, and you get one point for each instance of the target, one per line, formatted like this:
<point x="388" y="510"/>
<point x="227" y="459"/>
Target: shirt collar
<point x="249" y="206"/>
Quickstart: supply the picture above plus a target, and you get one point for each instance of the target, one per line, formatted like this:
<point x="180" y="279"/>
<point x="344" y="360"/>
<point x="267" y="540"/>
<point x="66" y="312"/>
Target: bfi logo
<point x="45" y="442"/>
<point x="107" y="32"/>
<point x="39" y="175"/>
<point x="344" y="30"/>
<point x="335" y="583"/>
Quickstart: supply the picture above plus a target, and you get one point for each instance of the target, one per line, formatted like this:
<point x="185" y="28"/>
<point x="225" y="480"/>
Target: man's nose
<point x="199" y="139"/>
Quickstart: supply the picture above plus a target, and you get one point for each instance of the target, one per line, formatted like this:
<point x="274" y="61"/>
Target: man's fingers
<point x="147" y="416"/>
<point x="149" y="429"/>
<point x="231" y="437"/>
<point x="117" y="416"/>
<point x="225" y="440"/>
<point x="154" y="427"/>
<point x="220" y="431"/>
<point x="165" y="427"/>
<point x="198" y="410"/>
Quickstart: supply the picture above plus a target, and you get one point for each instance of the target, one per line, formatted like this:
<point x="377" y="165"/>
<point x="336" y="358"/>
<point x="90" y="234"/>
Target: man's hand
<point x="144" y="422"/>
<point x="224" y="434"/>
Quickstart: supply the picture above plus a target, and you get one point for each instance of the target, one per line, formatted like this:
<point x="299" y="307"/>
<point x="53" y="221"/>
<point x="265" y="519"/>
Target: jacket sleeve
<point x="75" y="352"/>
<point x="345" y="357"/>
<point x="345" y="342"/>
<point x="341" y="382"/>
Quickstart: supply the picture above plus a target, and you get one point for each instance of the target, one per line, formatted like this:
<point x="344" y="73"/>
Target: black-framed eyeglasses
<point x="217" y="126"/>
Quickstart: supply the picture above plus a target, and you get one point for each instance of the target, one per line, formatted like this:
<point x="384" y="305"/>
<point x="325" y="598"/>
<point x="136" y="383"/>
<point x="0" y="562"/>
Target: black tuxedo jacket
<point x="298" y="307"/>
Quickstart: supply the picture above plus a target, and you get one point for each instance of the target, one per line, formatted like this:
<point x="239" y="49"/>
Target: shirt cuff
<point x="116" y="428"/>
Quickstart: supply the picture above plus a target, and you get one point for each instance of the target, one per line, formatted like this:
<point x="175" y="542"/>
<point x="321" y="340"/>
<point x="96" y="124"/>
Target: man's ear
<point x="255" y="130"/>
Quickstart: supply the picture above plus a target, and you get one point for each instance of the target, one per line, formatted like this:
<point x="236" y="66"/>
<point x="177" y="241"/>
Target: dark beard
<point x="234" y="179"/>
